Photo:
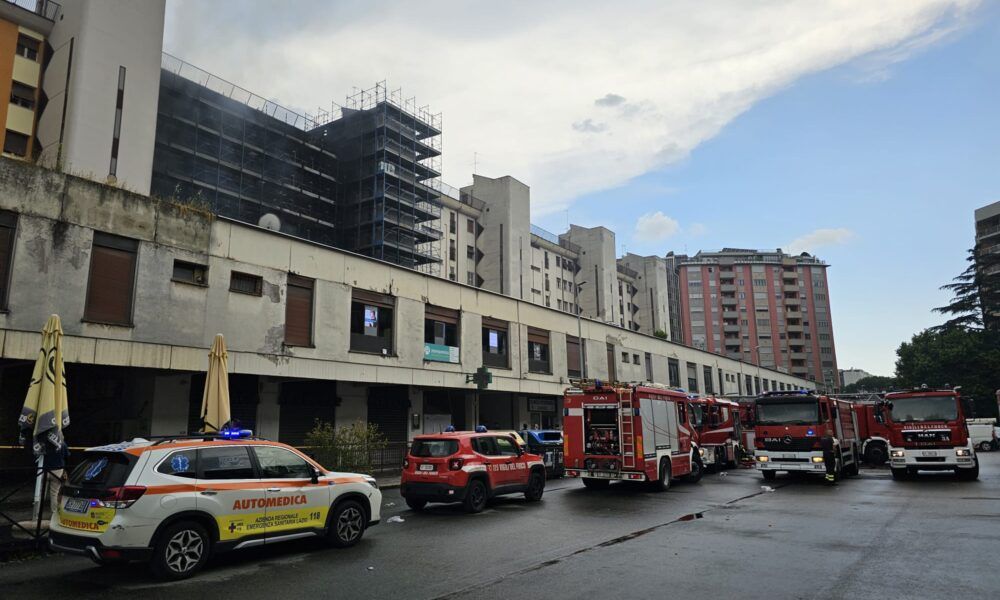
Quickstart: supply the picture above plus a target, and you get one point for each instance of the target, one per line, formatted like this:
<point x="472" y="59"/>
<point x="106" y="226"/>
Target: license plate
<point x="928" y="453"/>
<point x="426" y="467"/>
<point x="787" y="456"/>
<point x="599" y="475"/>
<point x="77" y="505"/>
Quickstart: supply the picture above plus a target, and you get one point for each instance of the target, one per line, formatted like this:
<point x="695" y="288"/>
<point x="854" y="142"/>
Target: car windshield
<point x="787" y="412"/>
<point x="433" y="448"/>
<point x="925" y="408"/>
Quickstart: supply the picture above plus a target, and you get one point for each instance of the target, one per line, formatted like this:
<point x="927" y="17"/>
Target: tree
<point x="951" y="357"/>
<point x="875" y="383"/>
<point x="976" y="293"/>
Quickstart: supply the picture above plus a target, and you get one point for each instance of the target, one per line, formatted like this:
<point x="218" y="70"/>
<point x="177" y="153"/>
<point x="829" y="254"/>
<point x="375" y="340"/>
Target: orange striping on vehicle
<point x="244" y="485"/>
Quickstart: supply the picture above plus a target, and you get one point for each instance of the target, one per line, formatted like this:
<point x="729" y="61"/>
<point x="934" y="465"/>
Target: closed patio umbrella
<point x="215" y="400"/>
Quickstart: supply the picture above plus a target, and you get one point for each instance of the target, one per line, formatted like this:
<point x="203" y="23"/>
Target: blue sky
<point x="900" y="157"/>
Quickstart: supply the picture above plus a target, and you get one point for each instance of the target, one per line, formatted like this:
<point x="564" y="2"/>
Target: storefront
<point x="543" y="412"/>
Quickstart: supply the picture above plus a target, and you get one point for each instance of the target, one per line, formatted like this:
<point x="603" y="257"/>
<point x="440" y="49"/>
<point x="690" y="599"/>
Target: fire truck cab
<point x="789" y="426"/>
<point x="872" y="433"/>
<point x="717" y="421"/>
<point x="624" y="432"/>
<point x="927" y="432"/>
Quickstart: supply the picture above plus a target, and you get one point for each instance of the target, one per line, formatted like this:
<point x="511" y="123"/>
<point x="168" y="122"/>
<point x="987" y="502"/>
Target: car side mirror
<point x="315" y="475"/>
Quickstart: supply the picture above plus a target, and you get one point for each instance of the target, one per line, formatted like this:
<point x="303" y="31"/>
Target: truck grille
<point x="789" y="444"/>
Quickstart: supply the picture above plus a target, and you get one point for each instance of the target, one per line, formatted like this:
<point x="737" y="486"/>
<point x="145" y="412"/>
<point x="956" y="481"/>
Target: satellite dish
<point x="270" y="221"/>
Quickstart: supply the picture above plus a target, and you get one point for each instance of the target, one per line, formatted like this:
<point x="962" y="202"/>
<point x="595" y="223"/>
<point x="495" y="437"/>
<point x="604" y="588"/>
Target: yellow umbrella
<point x="46" y="412"/>
<point x="215" y="401"/>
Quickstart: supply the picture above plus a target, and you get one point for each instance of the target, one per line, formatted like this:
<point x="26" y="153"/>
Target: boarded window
<point x="8" y="225"/>
<point x="112" y="280"/>
<point x="299" y="311"/>
<point x="573" y="362"/>
<point x="245" y="283"/>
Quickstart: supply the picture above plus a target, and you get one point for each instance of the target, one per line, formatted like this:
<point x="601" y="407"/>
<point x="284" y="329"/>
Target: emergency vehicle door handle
<point x="209" y="492"/>
<point x="273" y="489"/>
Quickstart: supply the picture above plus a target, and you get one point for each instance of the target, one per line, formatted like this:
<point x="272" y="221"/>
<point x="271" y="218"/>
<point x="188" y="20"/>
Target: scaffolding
<point x="389" y="150"/>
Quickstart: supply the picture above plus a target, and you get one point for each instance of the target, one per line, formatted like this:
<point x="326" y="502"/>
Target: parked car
<point x="547" y="443"/>
<point x="983" y="434"/>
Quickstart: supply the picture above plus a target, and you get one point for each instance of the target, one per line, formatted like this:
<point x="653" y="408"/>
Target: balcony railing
<point x="552" y="238"/>
<point x="44" y="8"/>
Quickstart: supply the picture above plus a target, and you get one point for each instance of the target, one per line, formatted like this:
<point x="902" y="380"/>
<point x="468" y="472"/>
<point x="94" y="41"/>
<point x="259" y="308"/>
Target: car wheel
<point x="536" y="487"/>
<point x="769" y="475"/>
<point x="985" y="446"/>
<point x="969" y="474"/>
<point x="663" y="483"/>
<point x="181" y="550"/>
<point x="899" y="474"/>
<point x="416" y="504"/>
<point x="596" y="484"/>
<point x="475" y="496"/>
<point x="347" y="524"/>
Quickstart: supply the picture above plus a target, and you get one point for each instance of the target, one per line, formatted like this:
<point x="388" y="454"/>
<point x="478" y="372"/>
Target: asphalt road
<point x="726" y="537"/>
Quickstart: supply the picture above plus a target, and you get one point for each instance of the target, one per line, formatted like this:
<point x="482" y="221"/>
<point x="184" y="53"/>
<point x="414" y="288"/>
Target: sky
<point x="863" y="132"/>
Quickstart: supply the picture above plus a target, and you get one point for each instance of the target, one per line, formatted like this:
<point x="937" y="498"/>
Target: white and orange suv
<point x="173" y="502"/>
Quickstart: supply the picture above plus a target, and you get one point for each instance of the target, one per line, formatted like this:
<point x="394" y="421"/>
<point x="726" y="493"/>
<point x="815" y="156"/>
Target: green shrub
<point x="352" y="448"/>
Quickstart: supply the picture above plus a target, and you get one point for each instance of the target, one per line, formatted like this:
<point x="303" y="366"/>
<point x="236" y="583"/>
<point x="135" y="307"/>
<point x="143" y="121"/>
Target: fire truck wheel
<point x="697" y="470"/>
<point x="899" y="474"/>
<point x="596" y="484"/>
<point x="475" y="496"/>
<point x="853" y="469"/>
<point x="536" y="486"/>
<point x="876" y="454"/>
<point x="731" y="464"/>
<point x="969" y="474"/>
<point x="769" y="475"/>
<point x="662" y="483"/>
<point x="985" y="446"/>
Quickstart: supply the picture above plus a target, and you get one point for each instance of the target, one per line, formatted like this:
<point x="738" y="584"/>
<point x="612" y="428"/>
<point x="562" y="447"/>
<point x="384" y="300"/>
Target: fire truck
<point x="717" y="421"/>
<point x="872" y="432"/>
<point x="927" y="432"/>
<point x="789" y="426"/>
<point x="625" y="432"/>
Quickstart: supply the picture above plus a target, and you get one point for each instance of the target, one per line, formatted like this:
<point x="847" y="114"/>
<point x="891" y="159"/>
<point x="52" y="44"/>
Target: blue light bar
<point x="480" y="428"/>
<point x="235" y="434"/>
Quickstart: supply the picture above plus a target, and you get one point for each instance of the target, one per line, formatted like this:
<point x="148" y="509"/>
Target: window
<point x="28" y="47"/>
<point x="187" y="272"/>
<point x="22" y="95"/>
<point x="546" y="259"/>
<point x="470" y="251"/>
<point x="635" y="359"/>
<point x="470" y="278"/>
<point x="625" y="357"/>
<point x="451" y="274"/>
<point x="8" y="226"/>
<point x="440" y="334"/>
<point x="15" y="143"/>
<point x="558" y="262"/>
<point x="506" y="446"/>
<point x="232" y="462"/>
<point x="709" y="383"/>
<point x="692" y="373"/>
<point x="674" y="372"/>
<point x="470" y="225"/>
<point x="649" y="367"/>
<point x="245" y="283"/>
<point x="372" y="322"/>
<point x="495" y="343"/>
<point x="538" y="351"/>
<point x="573" y="357"/>
<point x="486" y="446"/>
<point x="278" y="463"/>
<point x="452" y="250"/>
<point x="180" y="464"/>
<point x="299" y="311"/>
<point x="119" y="105"/>
<point x="452" y="222"/>
<point x="111" y="285"/>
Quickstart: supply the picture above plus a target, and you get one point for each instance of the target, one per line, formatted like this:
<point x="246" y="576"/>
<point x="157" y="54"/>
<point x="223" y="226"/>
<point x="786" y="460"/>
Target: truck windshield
<point x="925" y="408"/>
<point x="697" y="415"/>
<point x="787" y="412"/>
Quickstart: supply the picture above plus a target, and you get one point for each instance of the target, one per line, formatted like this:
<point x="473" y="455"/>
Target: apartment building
<point x="23" y="50"/>
<point x="314" y="332"/>
<point x="988" y="227"/>
<point x="852" y="376"/>
<point x="765" y="307"/>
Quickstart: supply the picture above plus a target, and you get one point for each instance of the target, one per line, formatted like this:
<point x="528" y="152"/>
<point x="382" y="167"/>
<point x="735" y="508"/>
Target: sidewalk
<point x="387" y="482"/>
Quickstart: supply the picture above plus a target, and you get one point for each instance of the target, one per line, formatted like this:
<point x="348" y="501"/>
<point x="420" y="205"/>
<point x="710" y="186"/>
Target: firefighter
<point x="830" y="447"/>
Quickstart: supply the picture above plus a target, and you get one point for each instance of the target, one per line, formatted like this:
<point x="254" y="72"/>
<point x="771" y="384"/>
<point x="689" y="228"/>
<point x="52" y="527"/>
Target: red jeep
<point x="469" y="467"/>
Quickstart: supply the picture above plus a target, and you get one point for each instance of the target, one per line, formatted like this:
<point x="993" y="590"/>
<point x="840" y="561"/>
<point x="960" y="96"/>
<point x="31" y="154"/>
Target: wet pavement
<point x="729" y="536"/>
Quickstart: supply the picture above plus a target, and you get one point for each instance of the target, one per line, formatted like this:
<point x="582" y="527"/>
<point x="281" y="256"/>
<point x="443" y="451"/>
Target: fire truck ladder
<point x="627" y="434"/>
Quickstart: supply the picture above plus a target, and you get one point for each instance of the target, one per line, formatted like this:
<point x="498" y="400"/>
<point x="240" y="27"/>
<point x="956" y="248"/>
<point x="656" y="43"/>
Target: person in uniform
<point x="830" y="447"/>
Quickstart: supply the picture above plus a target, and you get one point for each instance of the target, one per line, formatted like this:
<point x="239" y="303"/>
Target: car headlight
<point x="817" y="459"/>
<point x="896" y="454"/>
<point x="371" y="481"/>
<point x="963" y="452"/>
<point x="763" y="458"/>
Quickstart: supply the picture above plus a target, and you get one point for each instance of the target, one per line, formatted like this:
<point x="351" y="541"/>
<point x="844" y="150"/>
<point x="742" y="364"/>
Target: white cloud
<point x="569" y="96"/>
<point x="818" y="239"/>
<point x="655" y="227"/>
<point x="697" y="229"/>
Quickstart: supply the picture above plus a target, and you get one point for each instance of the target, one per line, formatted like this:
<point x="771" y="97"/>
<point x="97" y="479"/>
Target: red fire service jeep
<point x="628" y="433"/>
<point x="927" y="432"/>
<point x="469" y="467"/>
<point x="789" y="426"/>
<point x="717" y="421"/>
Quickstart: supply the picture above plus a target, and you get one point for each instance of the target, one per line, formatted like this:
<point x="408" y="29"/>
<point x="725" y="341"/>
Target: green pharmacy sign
<point x="440" y="353"/>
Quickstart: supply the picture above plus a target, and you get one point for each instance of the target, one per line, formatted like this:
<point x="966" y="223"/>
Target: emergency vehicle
<point x="717" y="421"/>
<point x="788" y="428"/>
<point x="469" y="467"/>
<point x="873" y="433"/>
<point x="175" y="501"/>
<point x="625" y="432"/>
<point x="927" y="432"/>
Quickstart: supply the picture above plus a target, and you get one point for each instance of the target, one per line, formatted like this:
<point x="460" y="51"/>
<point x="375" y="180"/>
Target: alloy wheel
<point x="349" y="524"/>
<point x="184" y="551"/>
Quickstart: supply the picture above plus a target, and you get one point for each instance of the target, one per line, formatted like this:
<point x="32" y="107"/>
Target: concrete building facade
<point x="313" y="332"/>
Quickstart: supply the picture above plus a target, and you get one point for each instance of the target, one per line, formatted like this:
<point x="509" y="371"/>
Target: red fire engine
<point x="927" y="432"/>
<point x="629" y="433"/>
<point x="873" y="433"/>
<point x="717" y="421"/>
<point x="788" y="429"/>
